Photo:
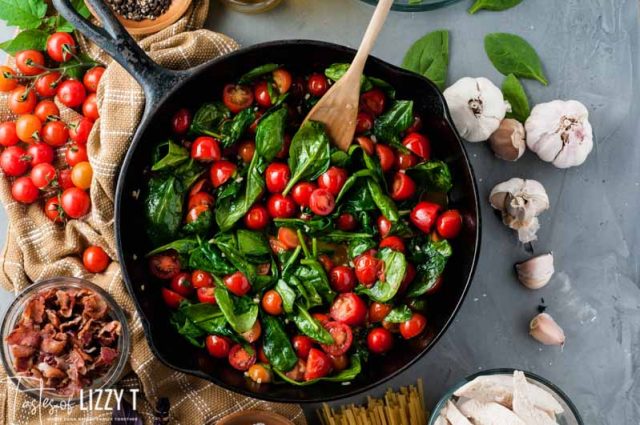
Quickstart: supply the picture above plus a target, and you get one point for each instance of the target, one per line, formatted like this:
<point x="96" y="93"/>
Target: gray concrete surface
<point x="590" y="52"/>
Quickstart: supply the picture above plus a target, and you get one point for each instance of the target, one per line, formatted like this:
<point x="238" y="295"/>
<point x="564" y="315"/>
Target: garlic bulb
<point x="520" y="202"/>
<point x="508" y="141"/>
<point x="560" y="132"/>
<point x="536" y="272"/>
<point x="477" y="107"/>
<point x="545" y="330"/>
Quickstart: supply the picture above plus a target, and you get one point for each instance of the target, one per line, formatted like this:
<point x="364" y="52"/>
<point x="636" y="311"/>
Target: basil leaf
<point x="174" y="156"/>
<point x="337" y="71"/>
<point x="181" y="246"/>
<point x="257" y="72"/>
<point x="311" y="327"/>
<point x="276" y="344"/>
<point x="232" y="130"/>
<point x="26" y="40"/>
<point x="252" y="244"/>
<point x="208" y="257"/>
<point x="493" y="5"/>
<point x="429" y="57"/>
<point x="384" y="203"/>
<point x="309" y="154"/>
<point x="512" y="54"/>
<point x="430" y="259"/>
<point x="389" y="126"/>
<point x="514" y="93"/>
<point x="287" y="294"/>
<point x="241" y="312"/>
<point x="432" y="176"/>
<point x="395" y="267"/>
<point x="26" y="14"/>
<point x="163" y="209"/>
<point x="209" y="117"/>
<point x="346" y="375"/>
<point x="399" y="315"/>
<point x="270" y="134"/>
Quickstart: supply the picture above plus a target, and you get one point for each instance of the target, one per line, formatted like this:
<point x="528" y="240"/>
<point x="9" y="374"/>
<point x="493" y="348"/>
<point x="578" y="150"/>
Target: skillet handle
<point x="116" y="41"/>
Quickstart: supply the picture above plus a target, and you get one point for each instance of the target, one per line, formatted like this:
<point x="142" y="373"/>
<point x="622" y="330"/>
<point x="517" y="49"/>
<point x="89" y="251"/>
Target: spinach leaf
<point x="398" y="315"/>
<point x="232" y="130"/>
<point x="163" y="209"/>
<point x="309" y="154"/>
<point x="175" y="156"/>
<point x="241" y="312"/>
<point x="189" y="172"/>
<point x="288" y="260"/>
<point x="312" y="274"/>
<point x="512" y="54"/>
<point x="514" y="93"/>
<point x="351" y="181"/>
<point x="307" y="291"/>
<point x="258" y="72"/>
<point x="384" y="86"/>
<point x="208" y="257"/>
<point x="339" y="158"/>
<point x="346" y="375"/>
<point x="287" y="294"/>
<point x="181" y="246"/>
<point x="342" y="236"/>
<point x="252" y="244"/>
<point x="395" y="267"/>
<point x="311" y="327"/>
<point x="493" y="5"/>
<point x="389" y="126"/>
<point x="276" y="344"/>
<point x="337" y="71"/>
<point x="359" y="198"/>
<point x="230" y="189"/>
<point x="229" y="247"/>
<point x="201" y="226"/>
<point x="208" y="318"/>
<point x="432" y="176"/>
<point x="270" y="134"/>
<point x="430" y="258"/>
<point x="208" y="118"/>
<point x="429" y="56"/>
<point x="359" y="246"/>
<point x="187" y="328"/>
<point x="384" y="203"/>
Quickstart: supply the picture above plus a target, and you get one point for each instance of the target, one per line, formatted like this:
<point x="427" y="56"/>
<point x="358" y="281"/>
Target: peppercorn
<point x="138" y="10"/>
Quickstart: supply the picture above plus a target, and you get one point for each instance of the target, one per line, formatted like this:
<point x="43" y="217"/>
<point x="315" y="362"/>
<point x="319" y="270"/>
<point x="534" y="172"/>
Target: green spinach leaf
<point x="493" y="5"/>
<point x="241" y="312"/>
<point x="189" y="172"/>
<point x="311" y="273"/>
<point x="181" y="246"/>
<point x="346" y="375"/>
<point x="398" y="315"/>
<point x="187" y="328"/>
<point x="432" y="176"/>
<point x="429" y="57"/>
<point x="307" y="291"/>
<point x="430" y="258"/>
<point x="258" y="72"/>
<point x="309" y="154"/>
<point x="201" y="226"/>
<point x="395" y="267"/>
<point x="276" y="344"/>
<point x="337" y="71"/>
<point x="252" y="244"/>
<point x="229" y="247"/>
<point x="208" y="257"/>
<point x="512" y="54"/>
<point x="174" y="156"/>
<point x="163" y="209"/>
<point x="388" y="127"/>
<point x="360" y="246"/>
<point x="287" y="294"/>
<point x="311" y="327"/>
<point x="384" y="203"/>
<point x="208" y="118"/>
<point x="514" y="93"/>
<point x="270" y="134"/>
<point x="232" y="130"/>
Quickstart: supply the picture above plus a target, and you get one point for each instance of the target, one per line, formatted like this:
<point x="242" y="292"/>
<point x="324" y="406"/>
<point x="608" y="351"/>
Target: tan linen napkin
<point x="37" y="249"/>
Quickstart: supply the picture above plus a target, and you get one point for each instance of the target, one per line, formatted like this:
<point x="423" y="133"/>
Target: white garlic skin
<point x="536" y="272"/>
<point x="560" y="132"/>
<point x="477" y="107"/>
<point x="546" y="331"/>
<point x="508" y="141"/>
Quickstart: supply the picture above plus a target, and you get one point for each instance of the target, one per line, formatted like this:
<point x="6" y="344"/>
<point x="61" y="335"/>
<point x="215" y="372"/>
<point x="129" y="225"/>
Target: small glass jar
<point x="252" y="6"/>
<point x="13" y="315"/>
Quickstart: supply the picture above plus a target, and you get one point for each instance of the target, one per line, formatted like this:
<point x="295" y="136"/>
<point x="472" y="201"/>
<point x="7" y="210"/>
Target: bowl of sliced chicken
<point x="505" y="397"/>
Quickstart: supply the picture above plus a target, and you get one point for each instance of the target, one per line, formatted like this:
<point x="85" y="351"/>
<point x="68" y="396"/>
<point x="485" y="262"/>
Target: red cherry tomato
<point x="206" y="295"/>
<point x="53" y="210"/>
<point x="322" y="202"/>
<point x="419" y="145"/>
<point x="164" y="266"/>
<point x="364" y="123"/>
<point x="240" y="359"/>
<point x="237" y="97"/>
<point x="326" y="262"/>
<point x="75" y="202"/>
<point x="424" y="215"/>
<point x="23" y="190"/>
<point x="71" y="93"/>
<point x="386" y="156"/>
<point x="449" y="224"/>
<point x="317" y="84"/>
<point x="46" y="110"/>
<point x="181" y="284"/>
<point x="342" y="338"/>
<point x="92" y="78"/>
<point x="262" y="357"/>
<point x="40" y="153"/>
<point x="321" y="317"/>
<point x="302" y="192"/>
<point x="253" y="334"/>
<point x="47" y="84"/>
<point x="96" y="260"/>
<point x="261" y="94"/>
<point x="8" y="80"/>
<point x="43" y="174"/>
<point x="55" y="133"/>
<point x="414" y="326"/>
<point x="221" y="172"/>
<point x="76" y="154"/>
<point x="64" y="179"/>
<point x="61" y="46"/>
<point x="384" y="226"/>
<point x="343" y="279"/>
<point x="22" y="100"/>
<point x="181" y="121"/>
<point x="349" y="308"/>
<point x="201" y="279"/>
<point x="14" y="161"/>
<point x="218" y="346"/>
<point x="302" y="344"/>
<point x="30" y="62"/>
<point x="195" y="212"/>
<point x="378" y="311"/>
<point x="373" y="101"/>
<point x="367" y="269"/>
<point x="90" y="107"/>
<point x="405" y="160"/>
<point x="366" y="144"/>
<point x="333" y="180"/>
<point x="379" y="340"/>
<point x="281" y="206"/>
<point x="403" y="187"/>
<point x="283" y="80"/>
<point x="272" y="303"/>
<point x="201" y="198"/>
<point x="246" y="150"/>
<point x="319" y="365"/>
<point x="8" y="135"/>
<point x="346" y="222"/>
<point x="416" y="126"/>
<point x="206" y="149"/>
<point x="394" y="242"/>
<point x="171" y="299"/>
<point x="257" y="218"/>
<point x="238" y="284"/>
<point x="277" y="177"/>
<point x="28" y="128"/>
<point x="80" y="130"/>
<point x="288" y="237"/>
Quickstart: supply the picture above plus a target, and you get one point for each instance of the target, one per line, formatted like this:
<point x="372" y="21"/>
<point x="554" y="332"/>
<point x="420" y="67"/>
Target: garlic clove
<point x="508" y="141"/>
<point x="536" y="272"/>
<point x="546" y="331"/>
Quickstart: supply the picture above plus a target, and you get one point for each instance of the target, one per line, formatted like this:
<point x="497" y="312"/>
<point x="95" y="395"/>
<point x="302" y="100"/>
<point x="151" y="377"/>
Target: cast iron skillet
<point x="167" y="91"/>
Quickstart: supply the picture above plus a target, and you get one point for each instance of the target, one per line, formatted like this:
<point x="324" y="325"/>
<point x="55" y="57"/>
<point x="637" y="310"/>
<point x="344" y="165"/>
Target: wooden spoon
<point x="338" y="108"/>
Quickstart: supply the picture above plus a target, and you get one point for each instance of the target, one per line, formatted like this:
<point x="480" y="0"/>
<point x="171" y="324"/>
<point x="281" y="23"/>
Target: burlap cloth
<point x="37" y="249"/>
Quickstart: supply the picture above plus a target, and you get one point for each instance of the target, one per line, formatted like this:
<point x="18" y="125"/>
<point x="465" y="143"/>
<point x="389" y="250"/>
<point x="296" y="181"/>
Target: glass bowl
<point x="569" y="417"/>
<point x="416" y="5"/>
<point x="33" y="386"/>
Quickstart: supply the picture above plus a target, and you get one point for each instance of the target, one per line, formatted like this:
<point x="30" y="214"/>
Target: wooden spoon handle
<point x="371" y="35"/>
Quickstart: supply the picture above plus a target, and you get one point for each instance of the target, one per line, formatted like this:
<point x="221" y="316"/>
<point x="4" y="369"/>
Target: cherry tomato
<point x="90" y="107"/>
<point x="424" y="215"/>
<point x="321" y="318"/>
<point x="405" y="160"/>
<point x="23" y="190"/>
<point x="302" y="344"/>
<point x="340" y="363"/>
<point x="14" y="161"/>
<point x="75" y="154"/>
<point x="171" y="299"/>
<point x="181" y="284"/>
<point x="40" y="153"/>
<point x="246" y="150"/>
<point x="409" y="275"/>
<point x="61" y="46"/>
<point x="240" y="359"/>
<point x="384" y="226"/>
<point x="418" y="144"/>
<point x="277" y="177"/>
<point x="281" y="206"/>
<point x="30" y="62"/>
<point x="80" y="130"/>
<point x="207" y="295"/>
<point x="378" y="311"/>
<point x="416" y="126"/>
<point x="346" y="222"/>
<point x="373" y="101"/>
<point x="349" y="308"/>
<point x="81" y="175"/>
<point x="342" y="338"/>
<point x="221" y="172"/>
<point x="238" y="284"/>
<point x="288" y="237"/>
<point x="201" y="198"/>
<point x="47" y="84"/>
<point x="237" y="97"/>
<point x="55" y="133"/>
<point x="96" y="260"/>
<point x="414" y="326"/>
<point x="319" y="365"/>
<point x="64" y="179"/>
<point x="394" y="242"/>
<point x="43" y="174"/>
<point x="261" y="94"/>
<point x="47" y="110"/>
<point x="75" y="202"/>
<point x="386" y="156"/>
<point x="343" y="279"/>
<point x="8" y="135"/>
<point x="8" y="79"/>
<point x="257" y="218"/>
<point x="364" y="123"/>
<point x="449" y="224"/>
<point x="259" y="374"/>
<point x="276" y="246"/>
<point x="195" y="212"/>
<point x="302" y="192"/>
<point x="333" y="180"/>
<point x="366" y="144"/>
<point x="283" y="80"/>
<point x="272" y="303"/>
<point x="367" y="269"/>
<point x="53" y="210"/>
<point x="92" y="79"/>
<point x="218" y="346"/>
<point x="379" y="340"/>
<point x="164" y="266"/>
<point x="403" y="187"/>
<point x="28" y="128"/>
<point x="322" y="202"/>
<point x="317" y="84"/>
<point x="206" y="149"/>
<point x="71" y="93"/>
<point x="201" y="279"/>
<point x="22" y="100"/>
<point x="253" y="334"/>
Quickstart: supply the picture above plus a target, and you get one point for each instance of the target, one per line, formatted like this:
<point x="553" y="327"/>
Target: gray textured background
<point x="590" y="52"/>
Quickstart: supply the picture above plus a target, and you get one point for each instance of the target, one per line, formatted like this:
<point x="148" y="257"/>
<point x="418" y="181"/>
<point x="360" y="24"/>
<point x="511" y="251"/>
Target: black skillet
<point x="167" y="91"/>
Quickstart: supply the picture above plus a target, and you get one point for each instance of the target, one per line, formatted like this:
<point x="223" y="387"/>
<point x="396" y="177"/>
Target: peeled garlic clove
<point x="536" y="272"/>
<point x="508" y="141"/>
<point x="545" y="330"/>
